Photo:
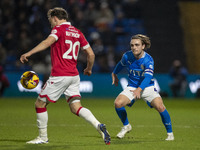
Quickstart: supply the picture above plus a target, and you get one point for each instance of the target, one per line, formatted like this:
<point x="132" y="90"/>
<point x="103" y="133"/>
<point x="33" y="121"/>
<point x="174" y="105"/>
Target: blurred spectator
<point x="100" y="53"/>
<point x="4" y="82"/>
<point x="132" y="8"/>
<point x="2" y="55"/>
<point x="107" y="36"/>
<point x="9" y="41"/>
<point x="19" y="18"/>
<point x="24" y="42"/>
<point x="111" y="58"/>
<point x="120" y="24"/>
<point x="105" y="16"/>
<point x="90" y="13"/>
<point x="179" y="75"/>
<point x="80" y="22"/>
<point x="73" y="6"/>
<point x="96" y="43"/>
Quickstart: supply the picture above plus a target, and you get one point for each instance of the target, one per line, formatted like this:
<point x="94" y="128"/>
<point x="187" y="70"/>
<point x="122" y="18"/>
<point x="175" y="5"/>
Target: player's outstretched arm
<point x="40" y="47"/>
<point x="90" y="61"/>
<point x="115" y="79"/>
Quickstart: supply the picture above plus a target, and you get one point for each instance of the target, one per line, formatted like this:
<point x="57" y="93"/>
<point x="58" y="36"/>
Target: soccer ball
<point x="29" y="80"/>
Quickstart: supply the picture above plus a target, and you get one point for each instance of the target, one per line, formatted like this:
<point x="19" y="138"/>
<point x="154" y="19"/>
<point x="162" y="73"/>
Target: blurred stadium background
<point x="172" y="25"/>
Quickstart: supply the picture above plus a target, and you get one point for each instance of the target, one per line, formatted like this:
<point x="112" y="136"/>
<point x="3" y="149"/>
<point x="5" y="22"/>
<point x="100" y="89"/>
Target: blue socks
<point x="166" y="120"/>
<point x="121" y="112"/>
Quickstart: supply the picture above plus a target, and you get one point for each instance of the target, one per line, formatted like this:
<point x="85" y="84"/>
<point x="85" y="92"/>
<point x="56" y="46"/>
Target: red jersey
<point x="64" y="52"/>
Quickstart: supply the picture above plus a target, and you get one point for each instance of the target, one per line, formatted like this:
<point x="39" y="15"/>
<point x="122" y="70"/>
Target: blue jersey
<point x="138" y="70"/>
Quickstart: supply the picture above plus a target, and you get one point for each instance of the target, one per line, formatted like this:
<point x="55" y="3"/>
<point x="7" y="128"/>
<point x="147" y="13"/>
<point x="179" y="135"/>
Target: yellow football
<point x="29" y="80"/>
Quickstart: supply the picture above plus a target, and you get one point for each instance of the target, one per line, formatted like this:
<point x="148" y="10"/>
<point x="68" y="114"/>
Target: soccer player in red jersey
<point x="65" y="41"/>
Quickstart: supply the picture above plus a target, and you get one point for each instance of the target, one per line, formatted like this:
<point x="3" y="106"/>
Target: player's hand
<point x="115" y="79"/>
<point x="137" y="93"/>
<point x="87" y="72"/>
<point x="24" y="57"/>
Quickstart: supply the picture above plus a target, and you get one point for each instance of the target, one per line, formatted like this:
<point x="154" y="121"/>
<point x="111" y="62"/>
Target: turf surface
<point x="67" y="131"/>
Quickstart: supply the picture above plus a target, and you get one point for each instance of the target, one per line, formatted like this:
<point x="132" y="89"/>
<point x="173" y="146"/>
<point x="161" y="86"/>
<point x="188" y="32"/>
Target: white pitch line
<point x="115" y="126"/>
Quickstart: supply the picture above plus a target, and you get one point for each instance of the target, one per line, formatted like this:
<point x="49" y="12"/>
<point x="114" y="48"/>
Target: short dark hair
<point x="59" y="12"/>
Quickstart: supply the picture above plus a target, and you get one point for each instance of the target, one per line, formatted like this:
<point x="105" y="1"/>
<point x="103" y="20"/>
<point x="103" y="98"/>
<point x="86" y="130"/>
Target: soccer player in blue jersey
<point x="140" y="66"/>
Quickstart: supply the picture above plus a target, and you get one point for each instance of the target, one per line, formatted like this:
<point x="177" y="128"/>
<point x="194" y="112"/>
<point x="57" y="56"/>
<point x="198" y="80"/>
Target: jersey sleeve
<point x="146" y="81"/>
<point x="120" y="64"/>
<point x="148" y="73"/>
<point x="83" y="42"/>
<point x="149" y="67"/>
<point x="124" y="60"/>
<point x="118" y="68"/>
<point x="55" y="32"/>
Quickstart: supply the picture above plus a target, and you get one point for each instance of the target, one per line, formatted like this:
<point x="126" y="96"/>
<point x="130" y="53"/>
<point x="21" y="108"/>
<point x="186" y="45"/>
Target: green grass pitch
<point x="69" y="132"/>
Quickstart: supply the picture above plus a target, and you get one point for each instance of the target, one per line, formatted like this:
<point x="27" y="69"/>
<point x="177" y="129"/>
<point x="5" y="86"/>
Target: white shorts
<point x="56" y="86"/>
<point x="148" y="94"/>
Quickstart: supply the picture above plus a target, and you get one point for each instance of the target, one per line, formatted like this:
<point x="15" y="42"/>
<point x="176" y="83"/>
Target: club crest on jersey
<point x="151" y="66"/>
<point x="142" y="67"/>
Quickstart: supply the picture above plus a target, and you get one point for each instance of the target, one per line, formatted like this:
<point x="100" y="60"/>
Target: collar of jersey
<point x="143" y="55"/>
<point x="69" y="23"/>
